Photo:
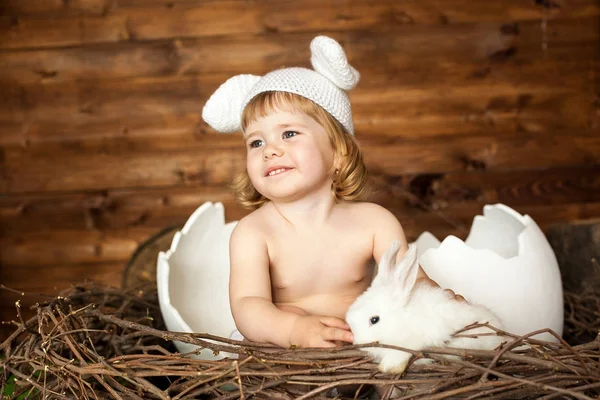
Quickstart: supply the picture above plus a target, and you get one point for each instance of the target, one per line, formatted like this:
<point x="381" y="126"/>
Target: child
<point x="308" y="250"/>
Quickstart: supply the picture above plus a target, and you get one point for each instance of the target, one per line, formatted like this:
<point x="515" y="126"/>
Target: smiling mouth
<point x="277" y="171"/>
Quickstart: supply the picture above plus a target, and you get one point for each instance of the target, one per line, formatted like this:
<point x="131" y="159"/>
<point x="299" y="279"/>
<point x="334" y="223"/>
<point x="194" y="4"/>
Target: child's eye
<point x="289" y="134"/>
<point x="255" y="143"/>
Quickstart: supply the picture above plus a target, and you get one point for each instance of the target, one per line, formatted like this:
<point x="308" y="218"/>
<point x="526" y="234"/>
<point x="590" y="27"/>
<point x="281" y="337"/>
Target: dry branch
<point x="94" y="342"/>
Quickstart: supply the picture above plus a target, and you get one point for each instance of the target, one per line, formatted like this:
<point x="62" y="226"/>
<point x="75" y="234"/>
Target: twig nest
<point x="85" y="350"/>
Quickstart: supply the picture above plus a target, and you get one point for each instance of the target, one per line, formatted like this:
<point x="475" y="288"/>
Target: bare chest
<point x="311" y="265"/>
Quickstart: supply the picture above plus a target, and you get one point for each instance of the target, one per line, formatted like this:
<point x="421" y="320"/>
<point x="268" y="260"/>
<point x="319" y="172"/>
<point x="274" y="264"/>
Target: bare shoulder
<point x="249" y="228"/>
<point x="248" y="253"/>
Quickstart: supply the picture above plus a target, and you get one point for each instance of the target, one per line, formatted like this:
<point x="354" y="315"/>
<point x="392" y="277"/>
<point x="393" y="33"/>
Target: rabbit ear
<point x="223" y="109"/>
<point x="407" y="269"/>
<point x="387" y="261"/>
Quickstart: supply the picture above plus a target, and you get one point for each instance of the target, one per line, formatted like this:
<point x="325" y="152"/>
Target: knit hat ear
<point x="329" y="59"/>
<point x="326" y="86"/>
<point x="222" y="110"/>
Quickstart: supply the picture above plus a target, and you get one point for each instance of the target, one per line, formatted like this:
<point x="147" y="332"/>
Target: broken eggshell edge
<point x="506" y="264"/>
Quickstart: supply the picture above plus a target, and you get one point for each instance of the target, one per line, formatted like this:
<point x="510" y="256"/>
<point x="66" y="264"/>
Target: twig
<point x="96" y="343"/>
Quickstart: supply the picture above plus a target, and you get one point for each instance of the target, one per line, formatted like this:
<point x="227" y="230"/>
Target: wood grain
<point x="406" y="194"/>
<point x="70" y="247"/>
<point x="407" y="51"/>
<point x="70" y="166"/>
<point x="577" y="250"/>
<point x="49" y="8"/>
<point x="36" y="112"/>
<point x="426" y="11"/>
<point x="87" y="247"/>
<point x="436" y="192"/>
<point x="252" y="18"/>
<point x="111" y="209"/>
<point x="51" y="279"/>
<point x="403" y="114"/>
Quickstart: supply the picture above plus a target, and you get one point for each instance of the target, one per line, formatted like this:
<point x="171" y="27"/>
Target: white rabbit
<point x="395" y="311"/>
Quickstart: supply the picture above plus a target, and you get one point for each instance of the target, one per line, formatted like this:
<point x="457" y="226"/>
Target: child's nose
<point x="271" y="151"/>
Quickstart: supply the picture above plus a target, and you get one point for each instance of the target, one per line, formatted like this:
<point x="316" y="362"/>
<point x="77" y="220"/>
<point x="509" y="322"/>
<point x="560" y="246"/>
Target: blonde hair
<point x="350" y="173"/>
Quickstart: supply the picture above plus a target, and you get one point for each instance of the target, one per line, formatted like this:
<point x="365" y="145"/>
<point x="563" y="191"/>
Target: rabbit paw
<point x="394" y="363"/>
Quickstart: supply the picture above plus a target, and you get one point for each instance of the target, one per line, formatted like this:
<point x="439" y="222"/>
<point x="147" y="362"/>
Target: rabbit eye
<point x="374" y="320"/>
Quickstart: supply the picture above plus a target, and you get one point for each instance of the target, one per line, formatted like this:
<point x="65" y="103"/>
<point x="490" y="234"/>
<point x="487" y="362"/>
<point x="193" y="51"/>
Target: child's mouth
<point x="277" y="171"/>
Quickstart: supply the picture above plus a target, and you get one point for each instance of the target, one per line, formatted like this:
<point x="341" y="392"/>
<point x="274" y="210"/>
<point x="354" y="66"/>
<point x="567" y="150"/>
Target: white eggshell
<point x="505" y="264"/>
<point x="193" y="278"/>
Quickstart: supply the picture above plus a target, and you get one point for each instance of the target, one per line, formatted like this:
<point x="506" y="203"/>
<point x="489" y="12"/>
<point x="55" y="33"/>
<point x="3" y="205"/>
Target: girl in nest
<point x="309" y="248"/>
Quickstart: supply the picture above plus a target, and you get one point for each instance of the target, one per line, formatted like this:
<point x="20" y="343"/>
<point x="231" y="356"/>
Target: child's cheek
<point x="254" y="170"/>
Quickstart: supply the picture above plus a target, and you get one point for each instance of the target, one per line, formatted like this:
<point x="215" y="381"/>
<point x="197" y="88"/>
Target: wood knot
<point x="14" y="22"/>
<point x="44" y="74"/>
<point x="86" y="109"/>
<point x="472" y="164"/>
<point x="480" y="73"/>
<point x="523" y="100"/>
<point x="510" y="29"/>
<point x="549" y="4"/>
<point x="503" y="55"/>
<point x="403" y="18"/>
<point x="269" y="29"/>
<point x="343" y="17"/>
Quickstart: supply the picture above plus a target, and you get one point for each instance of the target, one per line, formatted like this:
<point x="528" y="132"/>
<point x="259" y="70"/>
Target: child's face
<point x="288" y="156"/>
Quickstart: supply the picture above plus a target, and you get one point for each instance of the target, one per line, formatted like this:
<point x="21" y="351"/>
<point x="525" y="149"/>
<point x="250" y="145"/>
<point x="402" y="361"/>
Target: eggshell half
<point x="193" y="278"/>
<point x="505" y="264"/>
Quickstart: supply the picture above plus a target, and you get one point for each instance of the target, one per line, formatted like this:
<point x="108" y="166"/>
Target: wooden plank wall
<point x="461" y="103"/>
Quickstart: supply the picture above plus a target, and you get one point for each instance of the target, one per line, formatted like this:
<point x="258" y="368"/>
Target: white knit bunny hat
<point x="326" y="86"/>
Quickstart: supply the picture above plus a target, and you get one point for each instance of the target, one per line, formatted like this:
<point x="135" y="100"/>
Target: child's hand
<point x="319" y="331"/>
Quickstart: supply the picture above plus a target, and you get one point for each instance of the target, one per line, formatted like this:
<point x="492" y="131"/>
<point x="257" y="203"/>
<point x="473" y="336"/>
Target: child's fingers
<point x="335" y="334"/>
<point x="325" y="343"/>
<point x="334" y="322"/>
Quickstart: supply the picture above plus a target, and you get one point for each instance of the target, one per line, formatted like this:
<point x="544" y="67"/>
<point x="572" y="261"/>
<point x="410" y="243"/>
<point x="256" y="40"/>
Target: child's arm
<point x="388" y="229"/>
<point x="255" y="315"/>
